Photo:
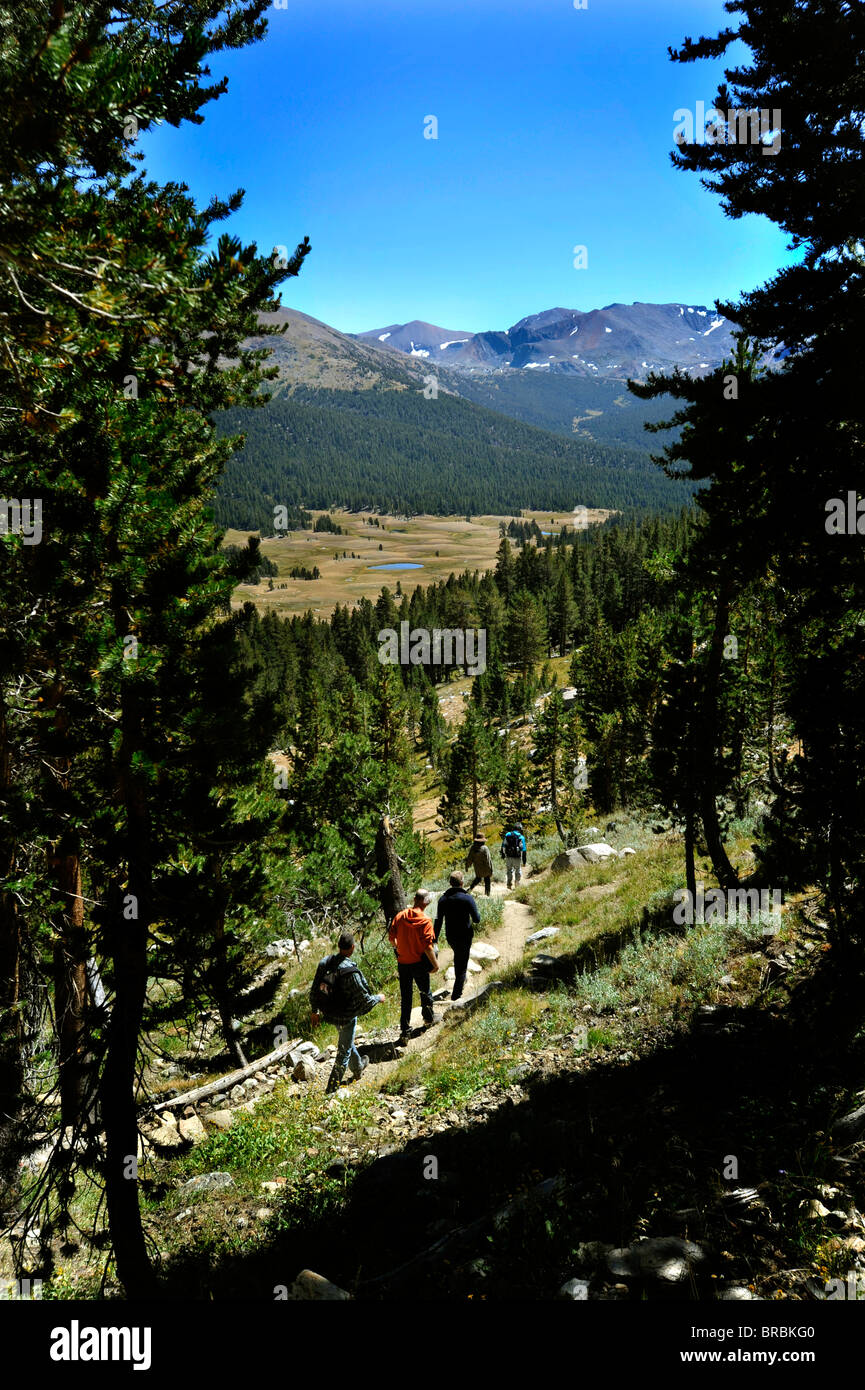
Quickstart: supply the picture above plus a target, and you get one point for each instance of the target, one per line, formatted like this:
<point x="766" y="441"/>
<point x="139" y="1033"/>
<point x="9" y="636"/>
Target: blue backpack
<point x="512" y="844"/>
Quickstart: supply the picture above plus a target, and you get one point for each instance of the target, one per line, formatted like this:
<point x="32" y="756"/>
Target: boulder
<point x="851" y="1127"/>
<point x="311" y="1286"/>
<point x="568" y="859"/>
<point x="596" y="853"/>
<point x="735" y="1292"/>
<point x="208" y="1182"/>
<point x="574" y="1289"/>
<point x="542" y="935"/>
<point x="221" y="1118"/>
<point x="166" y="1137"/>
<point x="304" y="1071"/>
<point x="482" y="950"/>
<point x="192" y="1129"/>
<point x="669" y="1259"/>
<point x="626" y="851"/>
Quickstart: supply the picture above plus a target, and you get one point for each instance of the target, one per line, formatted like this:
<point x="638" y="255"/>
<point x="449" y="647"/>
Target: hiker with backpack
<point x="514" y="852"/>
<point x="480" y="861"/>
<point x="340" y="994"/>
<point x="412" y="936"/>
<point x="459" y="913"/>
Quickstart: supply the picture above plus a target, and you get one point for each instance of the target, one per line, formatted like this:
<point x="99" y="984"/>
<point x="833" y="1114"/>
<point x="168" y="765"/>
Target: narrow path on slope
<point x="508" y="939"/>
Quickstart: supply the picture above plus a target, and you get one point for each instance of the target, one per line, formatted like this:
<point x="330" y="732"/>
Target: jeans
<point x="460" y="941"/>
<point x="418" y="972"/>
<point x="347" y="1055"/>
<point x="487" y="882"/>
<point x="513" y="864"/>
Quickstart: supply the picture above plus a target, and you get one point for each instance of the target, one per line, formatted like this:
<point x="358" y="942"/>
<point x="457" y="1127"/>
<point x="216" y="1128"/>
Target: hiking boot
<point x="364" y="1063"/>
<point x="402" y="1040"/>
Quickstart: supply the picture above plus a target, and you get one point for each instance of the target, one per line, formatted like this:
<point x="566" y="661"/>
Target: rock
<point x="543" y="962"/>
<point x="263" y="1214"/>
<point x="439" y="994"/>
<point x="472" y="968"/>
<point x="169" y="1119"/>
<point x="576" y="1289"/>
<point x="208" y="1182"/>
<point x="482" y="950"/>
<point x="308" y="1049"/>
<point x="627" y="850"/>
<point x="665" y="1258"/>
<point x="182" y="1215"/>
<point x="167" y="1137"/>
<point x="568" y="859"/>
<point x="734" y="1292"/>
<point x="237" y="1093"/>
<point x="471" y="1001"/>
<point x="249" y="1087"/>
<point x="591" y="1252"/>
<point x="596" y="853"/>
<point x="221" y="1118"/>
<point x="450" y="975"/>
<point x="304" y="1071"/>
<point x="851" y="1127"/>
<point x="593" y="831"/>
<point x="192" y="1129"/>
<point x="814" y="1210"/>
<point x="542" y="935"/>
<point x="584" y="854"/>
<point x="284" y="947"/>
<point x="311" y="1286"/>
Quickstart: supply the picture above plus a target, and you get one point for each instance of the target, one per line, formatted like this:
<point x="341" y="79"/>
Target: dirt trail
<point x="508" y="939"/>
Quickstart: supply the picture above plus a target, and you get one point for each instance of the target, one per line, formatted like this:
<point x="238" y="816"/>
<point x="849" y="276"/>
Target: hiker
<point x="514" y="851"/>
<point x="480" y="861"/>
<point x="340" y="994"/>
<point x="458" y="911"/>
<point x="413" y="938"/>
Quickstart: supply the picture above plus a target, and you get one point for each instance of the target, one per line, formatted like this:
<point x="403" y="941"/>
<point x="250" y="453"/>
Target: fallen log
<point x="231" y="1079"/>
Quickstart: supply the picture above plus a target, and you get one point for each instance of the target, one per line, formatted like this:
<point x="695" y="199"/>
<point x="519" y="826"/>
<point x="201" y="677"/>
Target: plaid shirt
<point x="356" y="994"/>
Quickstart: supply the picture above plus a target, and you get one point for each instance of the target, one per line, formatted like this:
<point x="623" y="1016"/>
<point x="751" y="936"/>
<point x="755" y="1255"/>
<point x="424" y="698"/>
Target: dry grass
<point x="442" y="544"/>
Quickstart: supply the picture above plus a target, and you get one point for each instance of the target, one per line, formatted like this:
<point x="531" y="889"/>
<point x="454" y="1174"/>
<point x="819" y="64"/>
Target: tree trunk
<point x="724" y="871"/>
<point x="391" y="891"/>
<point x="128" y="930"/>
<point x="11" y="1023"/>
<point x="222" y="991"/>
<point x="70" y="984"/>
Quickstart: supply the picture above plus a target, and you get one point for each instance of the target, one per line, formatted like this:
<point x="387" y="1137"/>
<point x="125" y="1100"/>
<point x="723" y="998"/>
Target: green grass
<point x="278" y="1138"/>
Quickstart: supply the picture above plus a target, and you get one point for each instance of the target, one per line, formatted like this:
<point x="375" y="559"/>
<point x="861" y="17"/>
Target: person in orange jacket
<point x="412" y="936"/>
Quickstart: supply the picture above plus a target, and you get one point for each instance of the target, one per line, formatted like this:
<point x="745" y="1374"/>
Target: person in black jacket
<point x="352" y="998"/>
<point x="458" y="911"/>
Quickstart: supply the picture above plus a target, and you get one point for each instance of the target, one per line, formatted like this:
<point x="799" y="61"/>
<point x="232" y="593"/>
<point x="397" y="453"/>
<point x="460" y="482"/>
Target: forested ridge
<point x="396" y="451"/>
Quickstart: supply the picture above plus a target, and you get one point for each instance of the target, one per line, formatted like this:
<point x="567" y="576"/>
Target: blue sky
<point x="554" y="131"/>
